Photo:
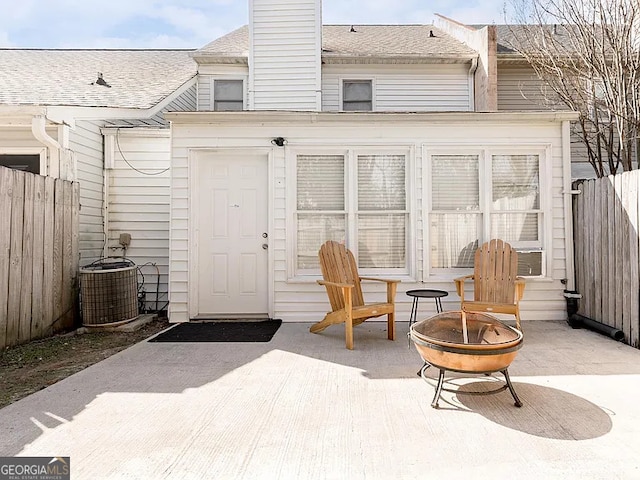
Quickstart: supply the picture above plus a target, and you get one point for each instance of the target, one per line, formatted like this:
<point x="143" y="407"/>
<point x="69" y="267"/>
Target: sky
<point x="194" y="23"/>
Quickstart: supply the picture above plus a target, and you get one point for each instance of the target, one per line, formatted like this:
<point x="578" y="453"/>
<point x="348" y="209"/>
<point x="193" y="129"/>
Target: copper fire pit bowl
<point x="466" y="342"/>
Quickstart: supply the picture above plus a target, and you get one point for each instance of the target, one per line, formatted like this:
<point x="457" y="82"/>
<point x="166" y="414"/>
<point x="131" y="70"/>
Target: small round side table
<point x="425" y="293"/>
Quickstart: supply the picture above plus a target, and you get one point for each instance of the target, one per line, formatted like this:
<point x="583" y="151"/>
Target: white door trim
<point x="192" y="240"/>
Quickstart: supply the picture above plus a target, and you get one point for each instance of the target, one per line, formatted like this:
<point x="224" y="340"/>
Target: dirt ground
<point x="25" y="369"/>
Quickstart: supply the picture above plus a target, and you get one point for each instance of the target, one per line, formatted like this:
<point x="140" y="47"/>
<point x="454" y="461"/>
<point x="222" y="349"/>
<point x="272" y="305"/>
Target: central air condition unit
<point x="109" y="293"/>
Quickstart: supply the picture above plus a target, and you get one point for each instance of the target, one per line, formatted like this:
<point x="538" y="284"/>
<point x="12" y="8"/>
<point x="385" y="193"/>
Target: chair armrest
<point x="380" y="279"/>
<point x="520" y="284"/>
<point x="460" y="284"/>
<point x="334" y="284"/>
<point x="392" y="285"/>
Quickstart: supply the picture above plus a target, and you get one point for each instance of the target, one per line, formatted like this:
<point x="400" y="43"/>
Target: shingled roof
<point x="403" y="41"/>
<point x="137" y="79"/>
<point x="510" y="35"/>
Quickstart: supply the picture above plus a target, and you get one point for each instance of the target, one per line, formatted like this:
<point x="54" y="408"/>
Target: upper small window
<point x="228" y="95"/>
<point x="357" y="96"/>
<point x="27" y="163"/>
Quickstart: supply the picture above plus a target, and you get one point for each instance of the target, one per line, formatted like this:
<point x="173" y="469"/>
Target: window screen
<point x="228" y="95"/>
<point x="357" y="95"/>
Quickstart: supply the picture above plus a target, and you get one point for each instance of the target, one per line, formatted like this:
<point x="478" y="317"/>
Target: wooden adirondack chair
<point x="496" y="286"/>
<point x="342" y="282"/>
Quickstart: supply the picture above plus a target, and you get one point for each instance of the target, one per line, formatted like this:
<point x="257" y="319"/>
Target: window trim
<point x="212" y="88"/>
<point x="350" y="153"/>
<point x="357" y="78"/>
<point x="485" y="153"/>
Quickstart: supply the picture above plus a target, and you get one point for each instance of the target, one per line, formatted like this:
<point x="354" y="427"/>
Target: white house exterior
<point x="410" y="182"/>
<point x="215" y="155"/>
<point x="285" y="133"/>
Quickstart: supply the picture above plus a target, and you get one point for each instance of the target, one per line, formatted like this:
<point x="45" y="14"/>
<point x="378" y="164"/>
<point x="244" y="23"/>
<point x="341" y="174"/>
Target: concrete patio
<point x="304" y="407"/>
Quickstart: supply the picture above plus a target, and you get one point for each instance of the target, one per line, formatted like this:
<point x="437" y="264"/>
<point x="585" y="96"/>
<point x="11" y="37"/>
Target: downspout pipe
<point x="38" y="128"/>
<point x="576" y="320"/>
<point x="472" y="84"/>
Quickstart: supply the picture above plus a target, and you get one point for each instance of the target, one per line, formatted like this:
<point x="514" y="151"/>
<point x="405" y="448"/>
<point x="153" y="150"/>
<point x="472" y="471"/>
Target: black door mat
<point x="227" y="331"/>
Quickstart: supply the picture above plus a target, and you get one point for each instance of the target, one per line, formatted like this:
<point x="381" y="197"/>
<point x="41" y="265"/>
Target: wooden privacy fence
<point x="606" y="219"/>
<point x="38" y="256"/>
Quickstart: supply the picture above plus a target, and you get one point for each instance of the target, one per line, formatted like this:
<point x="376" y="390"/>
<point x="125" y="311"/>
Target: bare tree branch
<point x="587" y="54"/>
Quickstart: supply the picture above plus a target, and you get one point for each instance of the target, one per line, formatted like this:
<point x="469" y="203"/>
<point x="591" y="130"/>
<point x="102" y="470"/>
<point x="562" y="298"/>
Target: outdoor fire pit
<point x="466" y="342"/>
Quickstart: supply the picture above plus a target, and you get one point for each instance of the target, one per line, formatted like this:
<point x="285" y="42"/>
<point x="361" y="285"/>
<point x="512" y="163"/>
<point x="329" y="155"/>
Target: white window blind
<point x="382" y="212"/>
<point x="228" y="95"/>
<point x="363" y="204"/>
<point x="455" y="204"/>
<point x="320" y="205"/>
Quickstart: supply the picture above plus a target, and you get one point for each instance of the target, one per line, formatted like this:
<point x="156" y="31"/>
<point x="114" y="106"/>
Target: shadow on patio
<point x="302" y="406"/>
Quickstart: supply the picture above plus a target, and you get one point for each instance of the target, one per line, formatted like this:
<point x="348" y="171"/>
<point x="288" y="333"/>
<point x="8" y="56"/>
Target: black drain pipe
<point x="578" y="321"/>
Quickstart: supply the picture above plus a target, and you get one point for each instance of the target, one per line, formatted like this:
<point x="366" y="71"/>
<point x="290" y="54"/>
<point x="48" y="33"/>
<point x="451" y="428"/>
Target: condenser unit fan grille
<point x="109" y="293"/>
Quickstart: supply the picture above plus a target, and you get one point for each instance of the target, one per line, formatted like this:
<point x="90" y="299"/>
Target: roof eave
<point x="217" y="58"/>
<point x="338" y="59"/>
<point x="300" y="117"/>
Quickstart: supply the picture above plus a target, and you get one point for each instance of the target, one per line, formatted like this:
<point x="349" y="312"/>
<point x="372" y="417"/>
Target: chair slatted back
<point x="495" y="272"/>
<point x="338" y="265"/>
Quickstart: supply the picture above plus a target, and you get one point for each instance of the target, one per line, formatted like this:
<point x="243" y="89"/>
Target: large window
<point x="359" y="199"/>
<point x="228" y="95"/>
<point x="479" y="196"/>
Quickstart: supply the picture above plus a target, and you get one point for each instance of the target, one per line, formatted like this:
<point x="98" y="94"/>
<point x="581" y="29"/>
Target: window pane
<point x="227" y="95"/>
<point x="228" y="106"/>
<point x="455" y="183"/>
<point x="357" y="91"/>
<point x="516" y="182"/>
<point x="357" y="106"/>
<point x="381" y="182"/>
<point x="357" y="95"/>
<point x="320" y="181"/>
<point x="227" y="90"/>
<point x="27" y="163"/>
<point x="515" y="227"/>
<point x="454" y="239"/>
<point x="313" y="231"/>
<point x="381" y="241"/>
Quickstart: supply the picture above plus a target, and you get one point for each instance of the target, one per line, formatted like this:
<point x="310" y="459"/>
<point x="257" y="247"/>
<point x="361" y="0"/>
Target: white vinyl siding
<point x="407" y="88"/>
<point x="187" y="102"/>
<point x="302" y="300"/>
<point x="519" y="89"/>
<point x="285" y="55"/>
<point x="85" y="141"/>
<point x="138" y="204"/>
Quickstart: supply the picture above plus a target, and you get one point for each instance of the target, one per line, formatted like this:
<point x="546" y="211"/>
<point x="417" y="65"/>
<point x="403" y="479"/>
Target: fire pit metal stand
<point x="440" y="387"/>
<point x="466" y="342"/>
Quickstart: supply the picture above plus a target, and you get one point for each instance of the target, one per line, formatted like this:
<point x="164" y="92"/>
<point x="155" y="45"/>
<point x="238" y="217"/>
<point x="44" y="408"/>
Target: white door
<point x="232" y="226"/>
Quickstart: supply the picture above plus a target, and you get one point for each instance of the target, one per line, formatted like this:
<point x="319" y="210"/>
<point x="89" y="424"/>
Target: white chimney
<point x="285" y="38"/>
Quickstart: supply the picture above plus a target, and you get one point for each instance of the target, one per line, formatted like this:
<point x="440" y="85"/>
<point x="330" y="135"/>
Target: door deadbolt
<point x="265" y="235"/>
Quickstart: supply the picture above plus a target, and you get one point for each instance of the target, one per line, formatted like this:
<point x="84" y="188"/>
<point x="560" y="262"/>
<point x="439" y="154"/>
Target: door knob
<point x="265" y="246"/>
